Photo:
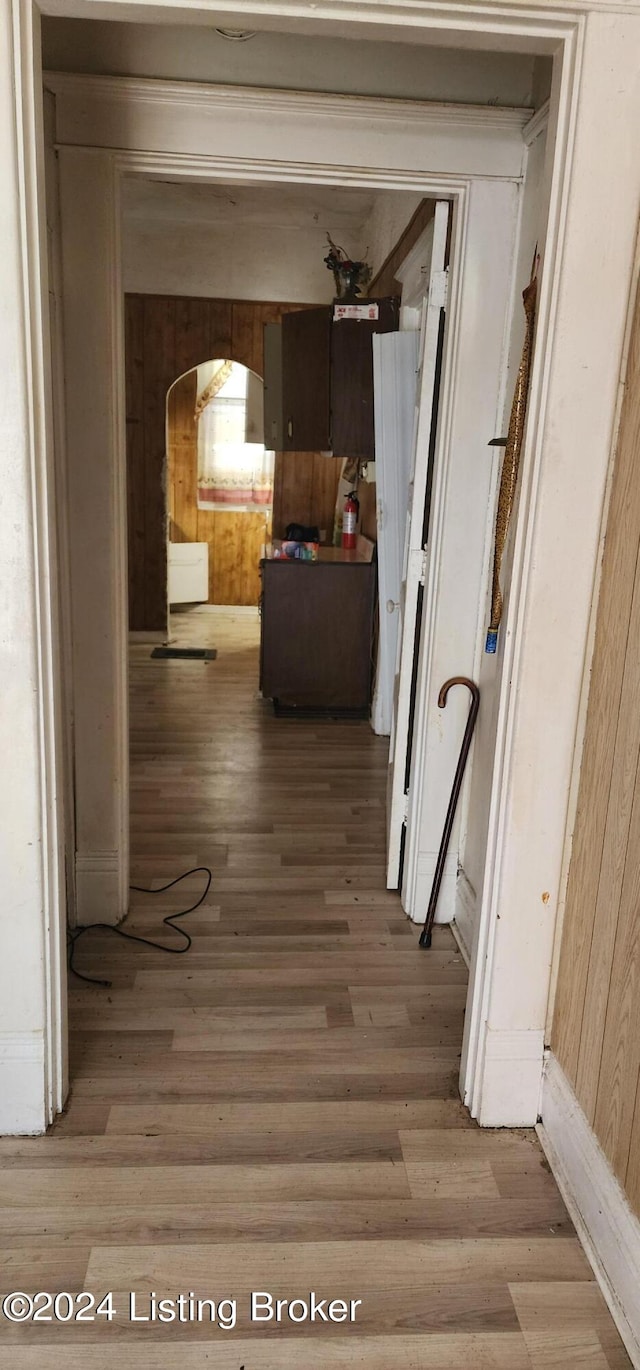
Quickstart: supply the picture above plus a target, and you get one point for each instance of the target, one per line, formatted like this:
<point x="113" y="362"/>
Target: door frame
<point x="93" y="108"/>
<point x="100" y="123"/>
<point x="99" y="112"/>
<point x="438" y="348"/>
<point x="510" y="976"/>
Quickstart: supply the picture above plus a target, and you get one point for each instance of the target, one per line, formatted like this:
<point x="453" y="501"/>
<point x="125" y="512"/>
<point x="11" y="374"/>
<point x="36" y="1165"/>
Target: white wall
<point x="97" y="532"/>
<point x="243" y="264"/>
<point x="293" y="61"/>
<point x="266" y="243"/>
<point x="388" y="219"/>
<point x="475" y="812"/>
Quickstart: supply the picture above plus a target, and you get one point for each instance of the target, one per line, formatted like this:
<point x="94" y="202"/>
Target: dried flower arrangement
<point x="350" y="277"/>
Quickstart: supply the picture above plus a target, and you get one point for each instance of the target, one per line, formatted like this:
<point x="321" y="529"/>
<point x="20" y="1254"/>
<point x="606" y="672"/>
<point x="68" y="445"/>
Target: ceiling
<point x="353" y="65"/>
<point x="273" y="206"/>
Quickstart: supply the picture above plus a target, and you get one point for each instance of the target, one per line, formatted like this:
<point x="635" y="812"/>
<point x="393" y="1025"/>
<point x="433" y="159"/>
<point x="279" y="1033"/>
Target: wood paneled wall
<point x="167" y="336"/>
<point x="596" y="1028"/>
<point x="305" y="490"/>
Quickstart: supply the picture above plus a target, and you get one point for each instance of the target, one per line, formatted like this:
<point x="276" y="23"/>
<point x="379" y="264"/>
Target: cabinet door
<point x="352" y="429"/>
<point x="273" y="426"/>
<point x="316" y="634"/>
<point x="306" y="338"/>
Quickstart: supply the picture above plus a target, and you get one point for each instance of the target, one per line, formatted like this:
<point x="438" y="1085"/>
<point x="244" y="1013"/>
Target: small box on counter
<point x="295" y="551"/>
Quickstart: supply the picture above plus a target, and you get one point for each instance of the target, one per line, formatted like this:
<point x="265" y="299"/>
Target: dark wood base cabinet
<point x="316" y="639"/>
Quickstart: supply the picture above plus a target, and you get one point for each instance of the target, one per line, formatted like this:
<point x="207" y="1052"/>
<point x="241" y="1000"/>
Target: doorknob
<point x="391" y="605"/>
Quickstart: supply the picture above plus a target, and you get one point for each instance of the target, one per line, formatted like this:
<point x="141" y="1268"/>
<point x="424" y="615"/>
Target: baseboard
<point x="101" y="893"/>
<point x="380" y="722"/>
<point x="606" y="1225"/>
<point x="22" y="1084"/>
<point x="466" y="912"/>
<point x="510" y="1076"/>
<point x="138" y="637"/>
<point x="242" y="610"/>
<point x="461" y="944"/>
<point x="416" y="906"/>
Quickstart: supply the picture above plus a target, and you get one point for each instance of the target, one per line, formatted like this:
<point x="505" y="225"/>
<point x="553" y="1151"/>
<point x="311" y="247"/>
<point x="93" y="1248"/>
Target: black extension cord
<point x="169" y="921"/>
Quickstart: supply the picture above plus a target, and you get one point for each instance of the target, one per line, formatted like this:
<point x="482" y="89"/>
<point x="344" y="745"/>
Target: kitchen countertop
<point x="361" y="554"/>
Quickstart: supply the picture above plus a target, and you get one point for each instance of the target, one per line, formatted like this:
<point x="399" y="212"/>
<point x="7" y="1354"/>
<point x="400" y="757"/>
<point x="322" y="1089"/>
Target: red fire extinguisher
<point x="349" y="521"/>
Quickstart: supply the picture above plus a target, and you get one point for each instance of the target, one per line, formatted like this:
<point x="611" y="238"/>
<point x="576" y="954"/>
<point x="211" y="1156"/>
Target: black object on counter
<point x="299" y="532"/>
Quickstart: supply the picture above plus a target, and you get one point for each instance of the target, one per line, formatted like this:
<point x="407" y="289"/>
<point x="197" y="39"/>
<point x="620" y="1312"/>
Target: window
<point x="235" y="472"/>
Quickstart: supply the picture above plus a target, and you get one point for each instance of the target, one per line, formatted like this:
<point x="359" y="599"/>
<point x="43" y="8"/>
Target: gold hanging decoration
<point x="213" y="388"/>
<point x="511" y="462"/>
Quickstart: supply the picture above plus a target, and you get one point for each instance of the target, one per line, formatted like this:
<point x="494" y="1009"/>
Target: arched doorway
<point x="219" y="485"/>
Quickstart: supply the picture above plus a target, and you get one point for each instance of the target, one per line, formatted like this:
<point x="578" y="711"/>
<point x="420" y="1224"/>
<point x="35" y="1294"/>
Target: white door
<point x="410" y="607"/>
<point x="395" y="374"/>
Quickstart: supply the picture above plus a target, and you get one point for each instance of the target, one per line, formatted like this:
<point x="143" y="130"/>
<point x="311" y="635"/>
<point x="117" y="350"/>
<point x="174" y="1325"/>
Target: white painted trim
<point x="98" y="885"/>
<point x="538" y="124"/>
<point x="461" y="944"/>
<point x="270" y="132"/>
<point x="38" y="419"/>
<point x="466" y="907"/>
<point x="422" y="884"/>
<point x="211" y="167"/>
<point x="482" y="971"/>
<point x="509" y="26"/>
<point x="94" y="350"/>
<point x="511" y="1076"/>
<point x="121" y="587"/>
<point x="22" y="1065"/>
<point x="52" y="209"/>
<point x="220" y="99"/>
<point x="604" y="1220"/>
<point x="413" y="274"/>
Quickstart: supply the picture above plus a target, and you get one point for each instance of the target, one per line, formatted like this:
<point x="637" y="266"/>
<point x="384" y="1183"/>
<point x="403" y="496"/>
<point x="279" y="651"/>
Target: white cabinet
<point x="188" y="572"/>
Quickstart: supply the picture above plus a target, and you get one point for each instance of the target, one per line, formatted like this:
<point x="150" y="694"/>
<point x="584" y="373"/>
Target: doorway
<point x="219" y="488"/>
<point x="485" y="225"/>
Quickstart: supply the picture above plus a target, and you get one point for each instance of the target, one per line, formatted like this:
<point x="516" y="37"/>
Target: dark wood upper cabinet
<point x="352" y="430"/>
<point x="327" y="379"/>
<point x="306" y="372"/>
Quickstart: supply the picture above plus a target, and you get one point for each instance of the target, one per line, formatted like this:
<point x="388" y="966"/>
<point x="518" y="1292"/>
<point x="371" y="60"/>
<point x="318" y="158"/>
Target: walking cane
<point x="425" y="935"/>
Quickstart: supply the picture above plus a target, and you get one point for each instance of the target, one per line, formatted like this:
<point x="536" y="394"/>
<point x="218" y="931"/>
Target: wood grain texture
<point x="613" y="871"/>
<point x="165" y="338"/>
<point x="278" y="1109"/>
<point x="596" y="1026"/>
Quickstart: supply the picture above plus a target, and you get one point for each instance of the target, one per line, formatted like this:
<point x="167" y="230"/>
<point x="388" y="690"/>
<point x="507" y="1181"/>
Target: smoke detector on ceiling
<point x="237" y="35"/>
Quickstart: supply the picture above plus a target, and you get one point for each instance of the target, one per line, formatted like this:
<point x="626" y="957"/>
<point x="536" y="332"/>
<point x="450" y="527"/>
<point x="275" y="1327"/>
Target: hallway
<point x="278" y="1111"/>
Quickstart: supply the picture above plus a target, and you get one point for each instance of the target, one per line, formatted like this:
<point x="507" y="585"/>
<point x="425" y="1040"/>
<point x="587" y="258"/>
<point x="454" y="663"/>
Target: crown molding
<point x="205" y="166"/>
<point x="255" y="99"/>
<point x="449" y="23"/>
<point x="537" y="124"/>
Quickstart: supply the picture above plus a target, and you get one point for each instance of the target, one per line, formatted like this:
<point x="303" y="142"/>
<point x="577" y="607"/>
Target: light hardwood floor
<point x="278" y="1110"/>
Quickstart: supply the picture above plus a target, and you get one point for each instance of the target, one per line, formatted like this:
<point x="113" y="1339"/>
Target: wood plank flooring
<point x="278" y="1110"/>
